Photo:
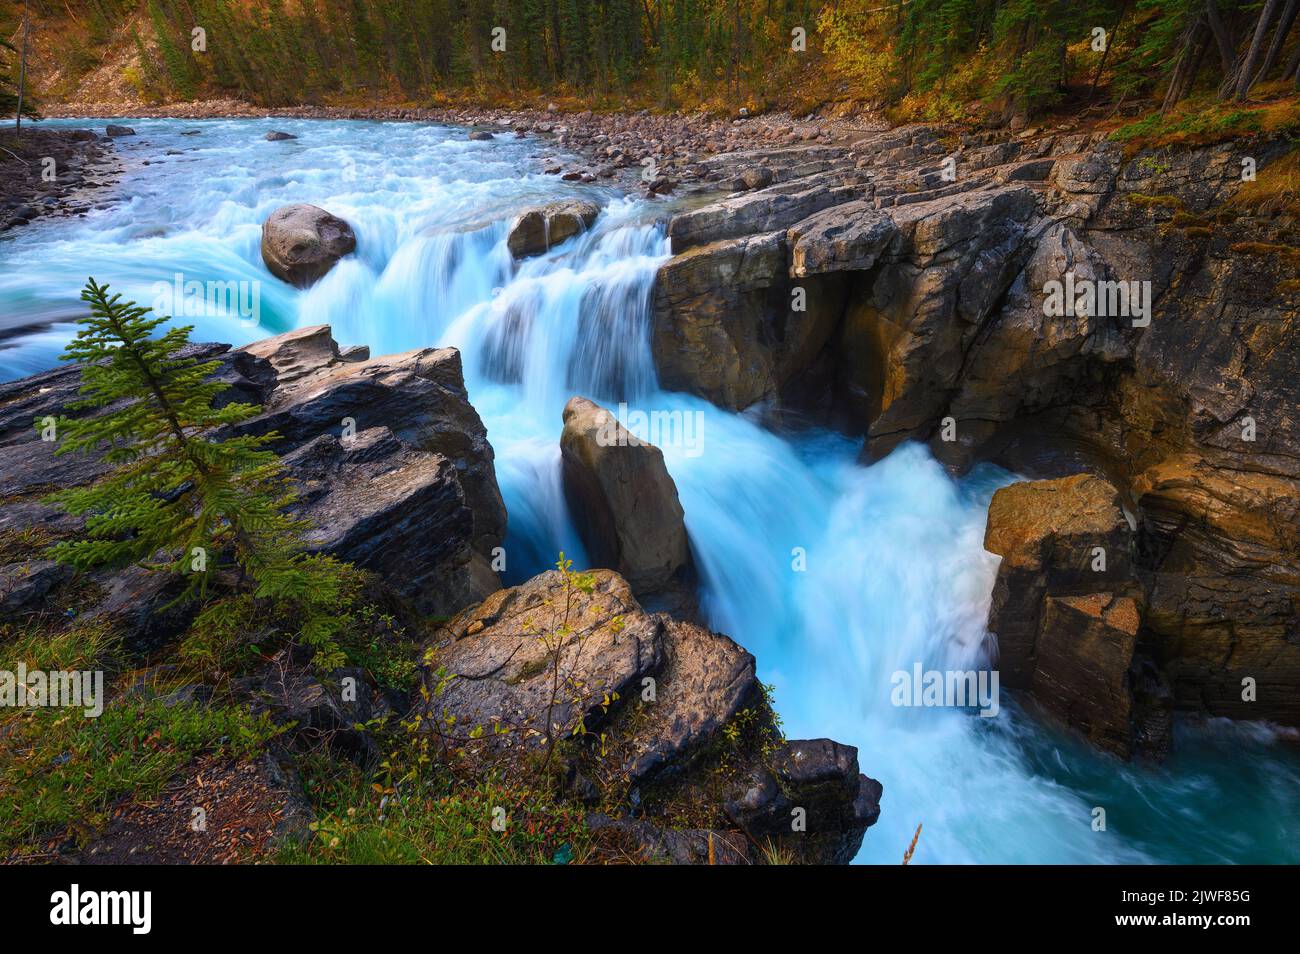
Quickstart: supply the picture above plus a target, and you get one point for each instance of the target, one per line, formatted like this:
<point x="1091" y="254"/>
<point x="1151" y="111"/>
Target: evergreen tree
<point x="182" y="72"/>
<point x="177" y="494"/>
<point x="15" y="83"/>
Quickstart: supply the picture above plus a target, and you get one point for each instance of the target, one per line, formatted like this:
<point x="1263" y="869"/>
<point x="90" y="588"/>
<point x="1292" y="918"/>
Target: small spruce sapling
<point x="175" y="491"/>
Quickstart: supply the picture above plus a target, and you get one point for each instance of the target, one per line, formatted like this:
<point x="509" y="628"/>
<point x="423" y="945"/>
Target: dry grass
<point x="1287" y="253"/>
<point x="911" y="849"/>
<point x="1155" y="201"/>
<point x="1203" y="121"/>
<point x="1275" y="190"/>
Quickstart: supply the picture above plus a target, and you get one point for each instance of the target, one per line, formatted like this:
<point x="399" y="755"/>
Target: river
<point x="833" y="574"/>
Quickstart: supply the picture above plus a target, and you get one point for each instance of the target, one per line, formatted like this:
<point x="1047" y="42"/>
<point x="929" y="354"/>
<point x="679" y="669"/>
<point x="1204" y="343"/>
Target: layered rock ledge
<point x="661" y="728"/>
<point x="392" y="462"/>
<point x="643" y="707"/>
<point x="910" y="284"/>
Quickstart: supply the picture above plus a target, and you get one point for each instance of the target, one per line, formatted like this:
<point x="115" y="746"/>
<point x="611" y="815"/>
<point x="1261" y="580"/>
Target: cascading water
<point x="833" y="574"/>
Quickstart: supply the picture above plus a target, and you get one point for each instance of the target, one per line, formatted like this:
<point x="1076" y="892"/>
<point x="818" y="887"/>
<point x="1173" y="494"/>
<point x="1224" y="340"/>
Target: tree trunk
<point x="1227" y="50"/>
<point x="1110" y="41"/>
<point x="1279" y="40"/>
<point x="1247" y="72"/>
<point x="1293" y="65"/>
<point x="1195" y="43"/>
<point x="22" y="73"/>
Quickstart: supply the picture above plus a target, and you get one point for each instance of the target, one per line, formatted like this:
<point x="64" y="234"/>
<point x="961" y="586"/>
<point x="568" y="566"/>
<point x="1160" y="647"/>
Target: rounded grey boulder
<point x="537" y="229"/>
<point x="623" y="499"/>
<point x="300" y="243"/>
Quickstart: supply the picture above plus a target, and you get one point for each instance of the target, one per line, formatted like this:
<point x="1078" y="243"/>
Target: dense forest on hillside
<point x="921" y="58"/>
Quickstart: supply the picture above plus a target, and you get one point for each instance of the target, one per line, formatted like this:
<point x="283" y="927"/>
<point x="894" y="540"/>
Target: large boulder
<point x="730" y="325"/>
<point x="495" y="665"/>
<point x="704" y="682"/>
<point x="300" y="243"/>
<point x="622" y="499"/>
<point x="643" y="704"/>
<point x="391" y="463"/>
<point x="395" y="510"/>
<point x="529" y="663"/>
<point x="1067" y="612"/>
<point x="397" y="472"/>
<point x="816" y="781"/>
<point x="536" y="230"/>
<point x="1064" y="536"/>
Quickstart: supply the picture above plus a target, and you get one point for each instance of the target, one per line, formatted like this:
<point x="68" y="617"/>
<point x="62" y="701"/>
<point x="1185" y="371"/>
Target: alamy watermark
<point x="180" y="298"/>
<point x="953" y="688"/>
<point x="1090" y="298"/>
<point x="680" y="429"/>
<point x="37" y="688"/>
<point x="133" y="909"/>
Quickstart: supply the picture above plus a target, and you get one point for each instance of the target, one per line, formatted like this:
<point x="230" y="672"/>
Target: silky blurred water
<point x="833" y="574"/>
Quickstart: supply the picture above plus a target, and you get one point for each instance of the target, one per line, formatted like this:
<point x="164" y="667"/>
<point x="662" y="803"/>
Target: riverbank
<point x="52" y="172"/>
<point x="655" y="146"/>
<point x="897" y="570"/>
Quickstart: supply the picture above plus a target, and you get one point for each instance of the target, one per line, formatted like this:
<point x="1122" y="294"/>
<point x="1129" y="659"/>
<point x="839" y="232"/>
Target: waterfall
<point x="833" y="574"/>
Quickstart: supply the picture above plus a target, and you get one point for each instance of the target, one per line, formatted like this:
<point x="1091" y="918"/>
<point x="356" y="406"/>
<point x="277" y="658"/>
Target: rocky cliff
<point x="670" y="746"/>
<point x="1055" y="304"/>
<point x="388" y="454"/>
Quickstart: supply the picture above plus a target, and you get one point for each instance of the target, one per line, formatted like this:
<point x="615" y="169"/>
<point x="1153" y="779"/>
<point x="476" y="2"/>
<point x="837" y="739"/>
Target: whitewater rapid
<point x="833" y="574"/>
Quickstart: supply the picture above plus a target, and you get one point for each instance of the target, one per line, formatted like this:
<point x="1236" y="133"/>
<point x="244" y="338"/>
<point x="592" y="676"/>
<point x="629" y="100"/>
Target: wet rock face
<point x="622" y="499"/>
<point x="534" y="231"/>
<point x="300" y="243"/>
<point x="725" y="326"/>
<point x="396" y="469"/>
<point x="392" y="464"/>
<point x="1067" y="611"/>
<point x="656" y="693"/>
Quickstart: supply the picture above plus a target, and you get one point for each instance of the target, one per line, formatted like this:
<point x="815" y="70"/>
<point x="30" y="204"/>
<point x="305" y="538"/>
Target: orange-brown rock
<point x="1064" y="536"/>
<point x="1082" y="673"/>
